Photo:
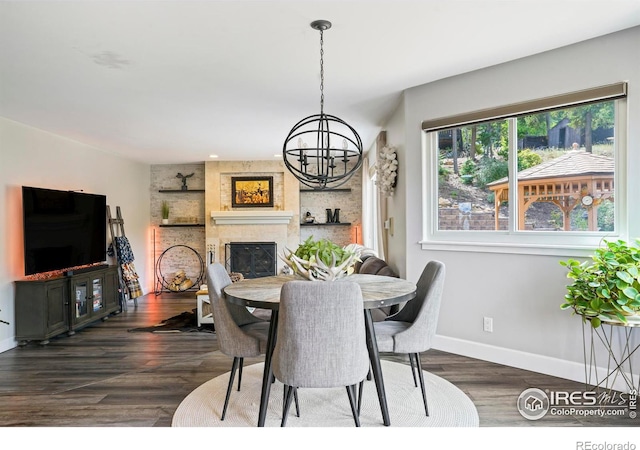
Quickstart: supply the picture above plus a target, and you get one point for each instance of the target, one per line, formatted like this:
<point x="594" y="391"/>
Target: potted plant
<point x="607" y="287"/>
<point x="165" y="212"/>
<point x="321" y="260"/>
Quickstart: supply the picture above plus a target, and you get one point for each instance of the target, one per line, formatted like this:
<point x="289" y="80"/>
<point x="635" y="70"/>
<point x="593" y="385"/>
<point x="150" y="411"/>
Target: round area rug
<point x="448" y="405"/>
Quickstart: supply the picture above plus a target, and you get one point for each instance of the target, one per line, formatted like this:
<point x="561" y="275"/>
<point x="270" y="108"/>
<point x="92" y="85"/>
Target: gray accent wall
<point x="521" y="292"/>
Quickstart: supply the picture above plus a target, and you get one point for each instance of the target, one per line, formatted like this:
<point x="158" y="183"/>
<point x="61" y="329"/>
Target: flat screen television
<point x="62" y="229"/>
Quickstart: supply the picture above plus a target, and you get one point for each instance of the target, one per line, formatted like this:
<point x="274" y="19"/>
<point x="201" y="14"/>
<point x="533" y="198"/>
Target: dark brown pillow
<point x="376" y="266"/>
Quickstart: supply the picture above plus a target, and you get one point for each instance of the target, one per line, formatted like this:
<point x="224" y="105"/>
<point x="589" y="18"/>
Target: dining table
<point x="378" y="291"/>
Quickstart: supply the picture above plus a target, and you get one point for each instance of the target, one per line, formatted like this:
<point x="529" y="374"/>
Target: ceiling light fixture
<point x="334" y="152"/>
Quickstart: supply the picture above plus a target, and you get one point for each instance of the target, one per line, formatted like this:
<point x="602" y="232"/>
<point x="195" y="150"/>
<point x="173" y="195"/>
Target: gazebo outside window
<point x="574" y="179"/>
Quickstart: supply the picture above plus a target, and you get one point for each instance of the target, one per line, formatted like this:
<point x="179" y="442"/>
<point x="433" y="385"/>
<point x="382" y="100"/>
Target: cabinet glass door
<point x="81" y="299"/>
<point x="97" y="293"/>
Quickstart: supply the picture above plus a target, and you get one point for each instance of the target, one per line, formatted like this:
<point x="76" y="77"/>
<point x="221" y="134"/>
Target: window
<point x="541" y="174"/>
<point x="370" y="221"/>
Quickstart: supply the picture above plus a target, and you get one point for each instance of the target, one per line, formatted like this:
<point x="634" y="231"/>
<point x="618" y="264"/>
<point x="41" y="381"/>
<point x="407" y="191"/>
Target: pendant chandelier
<point x="322" y="151"/>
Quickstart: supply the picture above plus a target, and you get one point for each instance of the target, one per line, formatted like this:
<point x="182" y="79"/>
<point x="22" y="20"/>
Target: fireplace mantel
<point x="251" y="217"/>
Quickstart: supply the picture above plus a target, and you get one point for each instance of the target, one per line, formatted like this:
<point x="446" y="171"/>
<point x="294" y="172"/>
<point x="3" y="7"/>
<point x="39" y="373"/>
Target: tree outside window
<point x="563" y="179"/>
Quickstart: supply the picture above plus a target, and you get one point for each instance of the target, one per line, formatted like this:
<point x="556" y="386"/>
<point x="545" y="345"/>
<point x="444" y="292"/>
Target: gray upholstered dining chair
<point x="321" y="339"/>
<point x="240" y="334"/>
<point x="411" y="330"/>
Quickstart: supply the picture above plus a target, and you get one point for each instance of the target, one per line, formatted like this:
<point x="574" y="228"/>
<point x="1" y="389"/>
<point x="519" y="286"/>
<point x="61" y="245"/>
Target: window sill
<point x="511" y="248"/>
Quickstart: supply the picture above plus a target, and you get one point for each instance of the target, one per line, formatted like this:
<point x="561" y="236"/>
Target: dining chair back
<point x="239" y="333"/>
<point x="321" y="338"/>
<point x="411" y="330"/>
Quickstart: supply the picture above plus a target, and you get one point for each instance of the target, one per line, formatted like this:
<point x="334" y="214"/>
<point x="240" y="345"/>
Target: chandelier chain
<point x="321" y="72"/>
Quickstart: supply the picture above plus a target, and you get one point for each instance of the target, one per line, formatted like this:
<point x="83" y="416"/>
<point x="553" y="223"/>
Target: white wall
<point x="397" y="203"/>
<point x="32" y="157"/>
<point x="522" y="293"/>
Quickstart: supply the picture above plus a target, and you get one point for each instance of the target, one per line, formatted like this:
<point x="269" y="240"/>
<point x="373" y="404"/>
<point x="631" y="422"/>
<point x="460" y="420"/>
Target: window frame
<point x="512" y="240"/>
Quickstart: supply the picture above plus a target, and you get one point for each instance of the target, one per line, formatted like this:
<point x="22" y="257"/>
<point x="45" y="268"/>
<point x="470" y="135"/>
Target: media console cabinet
<point x="48" y="308"/>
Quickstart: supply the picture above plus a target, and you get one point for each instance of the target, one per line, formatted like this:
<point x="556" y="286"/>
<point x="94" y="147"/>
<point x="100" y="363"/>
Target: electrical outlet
<point x="487" y="324"/>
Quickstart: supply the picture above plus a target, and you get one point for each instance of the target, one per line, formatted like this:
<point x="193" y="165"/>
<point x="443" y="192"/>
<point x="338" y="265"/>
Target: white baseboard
<point x="546" y="365"/>
<point x="8" y="344"/>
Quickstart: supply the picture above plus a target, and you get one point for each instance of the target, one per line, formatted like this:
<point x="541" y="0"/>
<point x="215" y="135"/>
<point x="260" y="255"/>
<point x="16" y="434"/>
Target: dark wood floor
<point x="105" y="376"/>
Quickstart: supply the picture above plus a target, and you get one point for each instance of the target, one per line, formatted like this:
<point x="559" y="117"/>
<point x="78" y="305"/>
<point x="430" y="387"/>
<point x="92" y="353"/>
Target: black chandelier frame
<point x="325" y="157"/>
<point x="323" y="166"/>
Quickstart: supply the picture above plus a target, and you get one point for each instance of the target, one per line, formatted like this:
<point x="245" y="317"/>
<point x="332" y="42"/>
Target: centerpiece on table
<point x="607" y="288"/>
<point x="321" y="260"/>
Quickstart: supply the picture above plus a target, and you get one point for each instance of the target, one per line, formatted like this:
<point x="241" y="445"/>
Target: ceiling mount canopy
<point x="322" y="151"/>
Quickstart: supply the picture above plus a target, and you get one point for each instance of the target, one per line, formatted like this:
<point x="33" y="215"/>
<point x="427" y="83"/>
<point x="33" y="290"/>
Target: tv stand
<point x="48" y="308"/>
<point x="80" y="270"/>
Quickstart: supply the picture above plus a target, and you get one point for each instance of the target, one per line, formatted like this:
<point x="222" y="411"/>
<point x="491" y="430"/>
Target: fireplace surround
<point x="251" y="259"/>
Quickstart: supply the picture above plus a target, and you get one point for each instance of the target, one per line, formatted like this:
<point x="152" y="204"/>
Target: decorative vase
<point x="316" y="269"/>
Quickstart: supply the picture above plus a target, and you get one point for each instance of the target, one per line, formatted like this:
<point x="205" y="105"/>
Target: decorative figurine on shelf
<point x="333" y="216"/>
<point x="309" y="218"/>
<point x="184" y="179"/>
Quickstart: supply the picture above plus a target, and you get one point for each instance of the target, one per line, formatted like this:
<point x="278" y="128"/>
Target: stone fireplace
<point x="218" y="223"/>
<point x="278" y="225"/>
<point x="251" y="259"/>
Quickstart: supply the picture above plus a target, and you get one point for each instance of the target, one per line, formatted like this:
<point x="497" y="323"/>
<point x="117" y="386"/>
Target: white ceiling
<point x="176" y="81"/>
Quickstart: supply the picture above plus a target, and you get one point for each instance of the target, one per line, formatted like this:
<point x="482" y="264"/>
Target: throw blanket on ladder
<point x="131" y="280"/>
<point x="129" y="274"/>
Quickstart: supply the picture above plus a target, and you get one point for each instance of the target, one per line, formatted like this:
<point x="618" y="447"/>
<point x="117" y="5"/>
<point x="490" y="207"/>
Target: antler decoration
<point x="317" y="270"/>
<point x="184" y="179"/>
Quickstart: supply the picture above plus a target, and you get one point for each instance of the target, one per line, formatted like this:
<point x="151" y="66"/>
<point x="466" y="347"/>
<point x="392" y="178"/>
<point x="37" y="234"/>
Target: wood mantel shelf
<point x="253" y="217"/>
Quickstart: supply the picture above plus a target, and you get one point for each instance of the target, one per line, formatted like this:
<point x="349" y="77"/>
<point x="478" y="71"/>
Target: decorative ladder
<point x="116" y="227"/>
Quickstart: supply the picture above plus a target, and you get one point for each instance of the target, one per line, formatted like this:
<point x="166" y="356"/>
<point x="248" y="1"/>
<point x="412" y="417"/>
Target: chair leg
<point x="360" y="389"/>
<point x="413" y="370"/>
<point x="295" y="399"/>
<point x="234" y="367"/>
<point x="287" y="404"/>
<point x="285" y="390"/>
<point x="240" y="373"/>
<point x="351" y="392"/>
<point x="421" y="378"/>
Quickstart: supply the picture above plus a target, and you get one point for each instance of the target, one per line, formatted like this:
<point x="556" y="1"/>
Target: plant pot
<point x="633" y="320"/>
<point x="165" y="221"/>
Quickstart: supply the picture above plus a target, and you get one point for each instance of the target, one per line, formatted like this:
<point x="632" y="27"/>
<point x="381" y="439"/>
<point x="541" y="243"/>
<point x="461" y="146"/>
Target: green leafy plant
<point x="165" y="210"/>
<point x="489" y="170"/>
<point x="321" y="260"/>
<point x="323" y="249"/>
<point x="608" y="287"/>
<point x="468" y="171"/>
<point x="528" y="158"/>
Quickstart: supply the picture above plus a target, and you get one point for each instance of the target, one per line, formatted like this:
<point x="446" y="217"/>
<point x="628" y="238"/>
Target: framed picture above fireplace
<point x="251" y="191"/>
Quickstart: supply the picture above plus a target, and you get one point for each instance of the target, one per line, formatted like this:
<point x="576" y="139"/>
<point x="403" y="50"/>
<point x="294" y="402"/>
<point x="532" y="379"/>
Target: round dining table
<point x="377" y="291"/>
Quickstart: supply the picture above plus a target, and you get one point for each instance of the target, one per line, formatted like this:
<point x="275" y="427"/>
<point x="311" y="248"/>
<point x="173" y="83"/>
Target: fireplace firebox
<point x="251" y="259"/>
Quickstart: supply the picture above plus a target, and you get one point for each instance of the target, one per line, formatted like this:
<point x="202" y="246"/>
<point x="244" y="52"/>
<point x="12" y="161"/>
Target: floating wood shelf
<point x="326" y="190"/>
<point x="182" y="225"/>
<point x="325" y="224"/>
<point x="179" y="191"/>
